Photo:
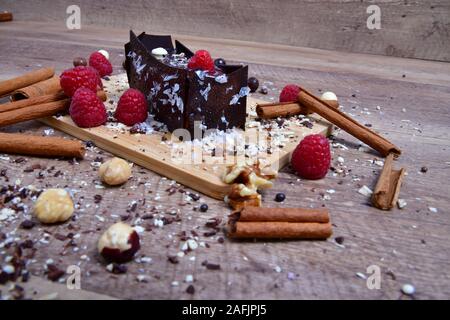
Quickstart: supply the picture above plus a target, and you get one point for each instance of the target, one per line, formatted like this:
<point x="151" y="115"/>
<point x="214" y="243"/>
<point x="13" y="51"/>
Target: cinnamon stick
<point x="275" y="230"/>
<point x="271" y="223"/>
<point x="388" y="186"/>
<point x="21" y="114"/>
<point x="346" y="123"/>
<point x="255" y="214"/>
<point x="8" y="86"/>
<point x="282" y="109"/>
<point x="46" y="87"/>
<point x="40" y="146"/>
<point x="31" y="101"/>
<point x="5" y="16"/>
<point x="33" y="112"/>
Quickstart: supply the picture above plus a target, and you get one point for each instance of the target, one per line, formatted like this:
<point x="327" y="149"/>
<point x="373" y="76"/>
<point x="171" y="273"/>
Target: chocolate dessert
<point x="184" y="98"/>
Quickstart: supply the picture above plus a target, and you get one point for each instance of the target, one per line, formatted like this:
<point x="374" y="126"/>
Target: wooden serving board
<point x="149" y="151"/>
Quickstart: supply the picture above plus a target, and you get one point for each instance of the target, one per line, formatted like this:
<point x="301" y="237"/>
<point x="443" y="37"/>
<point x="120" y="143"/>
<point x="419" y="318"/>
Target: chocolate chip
<point x="194" y="196"/>
<point x="339" y="240"/>
<point x="60" y="237"/>
<point x="219" y="62"/>
<point x="27" y="224"/>
<point x="213" y="223"/>
<point x="90" y="144"/>
<point x="19" y="160"/>
<point x="280" y="197"/>
<point x="79" y="61"/>
<point x="212" y="266"/>
<point x="423" y="169"/>
<point x="173" y="259"/>
<point x="27" y="244"/>
<point x="253" y="84"/>
<point x="119" y="268"/>
<point x="190" y="289"/>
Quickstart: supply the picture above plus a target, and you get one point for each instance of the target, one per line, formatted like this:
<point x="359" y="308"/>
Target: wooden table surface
<point x="405" y="100"/>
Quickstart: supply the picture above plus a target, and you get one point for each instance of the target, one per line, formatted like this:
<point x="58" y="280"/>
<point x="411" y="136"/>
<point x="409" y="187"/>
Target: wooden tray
<point x="148" y="151"/>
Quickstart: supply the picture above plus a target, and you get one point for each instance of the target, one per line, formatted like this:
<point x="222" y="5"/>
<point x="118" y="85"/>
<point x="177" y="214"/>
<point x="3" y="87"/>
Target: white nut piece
<point x="105" y="53"/>
<point x="115" y="171"/>
<point x="331" y="96"/>
<point x="53" y="205"/>
<point x="159" y="53"/>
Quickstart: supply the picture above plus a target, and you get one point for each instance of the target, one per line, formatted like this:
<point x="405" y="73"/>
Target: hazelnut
<point x="330" y="98"/>
<point x="105" y="53"/>
<point x="53" y="205"/>
<point x="119" y="243"/>
<point x="115" y="171"/>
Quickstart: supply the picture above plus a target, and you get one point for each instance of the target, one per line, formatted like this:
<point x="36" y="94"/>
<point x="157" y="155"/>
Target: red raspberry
<point x="311" y="158"/>
<point x="132" y="108"/>
<point x="99" y="62"/>
<point x="201" y="60"/>
<point x="289" y="93"/>
<point x="86" y="109"/>
<point x="79" y="77"/>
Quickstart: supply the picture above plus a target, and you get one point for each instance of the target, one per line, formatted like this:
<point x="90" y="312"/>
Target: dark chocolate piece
<point x="182" y="98"/>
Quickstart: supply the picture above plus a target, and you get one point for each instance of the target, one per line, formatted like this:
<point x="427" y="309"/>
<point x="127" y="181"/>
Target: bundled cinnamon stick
<point x="8" y="86"/>
<point x="46" y="87"/>
<point x="388" y="186"/>
<point x="275" y="223"/>
<point x="282" y="214"/>
<point x="40" y="146"/>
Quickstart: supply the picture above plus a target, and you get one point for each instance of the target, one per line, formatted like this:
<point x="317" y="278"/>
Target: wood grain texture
<point x="64" y="44"/>
<point x="150" y="153"/>
<point x="414" y="29"/>
<point x="409" y="245"/>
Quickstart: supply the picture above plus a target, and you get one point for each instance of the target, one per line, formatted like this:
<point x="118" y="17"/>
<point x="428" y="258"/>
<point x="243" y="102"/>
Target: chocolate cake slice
<point x="183" y="98"/>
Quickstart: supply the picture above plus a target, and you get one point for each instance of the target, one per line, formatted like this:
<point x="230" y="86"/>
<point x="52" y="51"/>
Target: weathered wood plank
<point x="411" y="243"/>
<point x="414" y="29"/>
<point x="83" y="42"/>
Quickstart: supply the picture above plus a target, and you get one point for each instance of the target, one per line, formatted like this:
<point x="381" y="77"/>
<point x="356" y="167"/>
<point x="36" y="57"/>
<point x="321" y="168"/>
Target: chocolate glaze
<point x="179" y="97"/>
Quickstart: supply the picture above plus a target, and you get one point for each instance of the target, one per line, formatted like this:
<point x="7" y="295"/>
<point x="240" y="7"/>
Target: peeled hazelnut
<point x="53" y="205"/>
<point x="105" y="53"/>
<point x="119" y="243"/>
<point x="115" y="171"/>
<point x="330" y="98"/>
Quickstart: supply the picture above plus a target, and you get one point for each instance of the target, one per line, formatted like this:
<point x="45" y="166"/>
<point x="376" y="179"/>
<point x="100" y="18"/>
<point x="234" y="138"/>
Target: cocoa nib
<point x="190" y="289"/>
<point x="211" y="266"/>
<point x="54" y="273"/>
<point x="97" y="198"/>
<point x="173" y="259"/>
<point x="27" y="224"/>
